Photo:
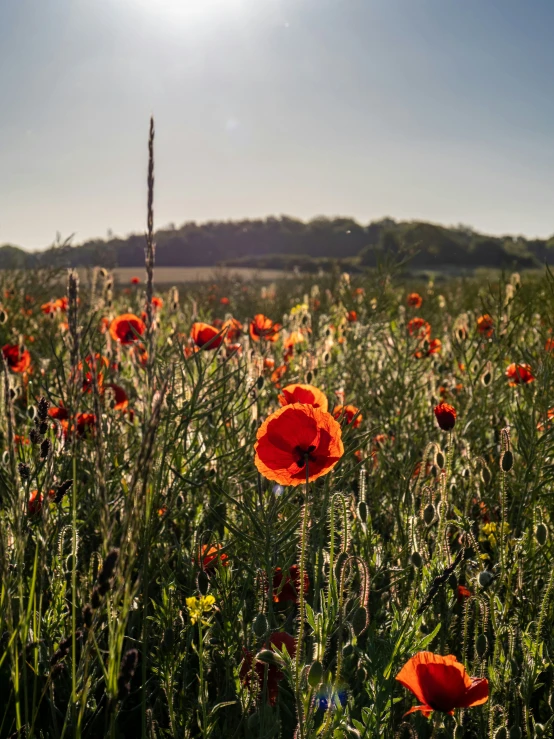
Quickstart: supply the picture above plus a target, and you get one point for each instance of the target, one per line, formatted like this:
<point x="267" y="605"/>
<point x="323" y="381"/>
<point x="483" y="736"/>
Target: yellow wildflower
<point x="198" y="606"/>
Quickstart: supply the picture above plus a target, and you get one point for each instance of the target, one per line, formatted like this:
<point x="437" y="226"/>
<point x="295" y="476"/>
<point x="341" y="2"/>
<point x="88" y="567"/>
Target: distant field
<point x="180" y="275"/>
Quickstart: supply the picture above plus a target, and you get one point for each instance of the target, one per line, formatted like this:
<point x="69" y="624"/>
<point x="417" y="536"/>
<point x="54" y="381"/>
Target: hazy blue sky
<point x="433" y="109"/>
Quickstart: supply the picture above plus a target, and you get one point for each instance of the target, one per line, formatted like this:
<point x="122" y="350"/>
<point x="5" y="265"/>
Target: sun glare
<point x="189" y="10"/>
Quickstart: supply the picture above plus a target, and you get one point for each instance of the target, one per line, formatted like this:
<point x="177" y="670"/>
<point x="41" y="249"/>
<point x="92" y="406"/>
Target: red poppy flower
<point x="348" y="413"/>
<point x="135" y="281"/>
<point x="462" y="593"/>
<point x="86" y="424"/>
<point x="127" y="328"/>
<point x="210" y="556"/>
<point x="414" y="300"/>
<point x="446" y="416"/>
<point x="293" y="436"/>
<point x="519" y="374"/>
<point x="352" y="316"/>
<point x="441" y="684"/>
<point x="140" y="354"/>
<point x="419" y="327"/>
<point x="95" y="363"/>
<point x="286" y="587"/>
<point x="262" y="327"/>
<point x="269" y="363"/>
<point x="307" y="394"/>
<point x="485" y="325"/>
<point x="206" y="336"/>
<point x="120" y="399"/>
<point x="17" y="359"/>
<point x="35" y="502"/>
<point x="59" y="413"/>
<point x="224" y="301"/>
<point x="281" y="640"/>
<point x="52" y="306"/>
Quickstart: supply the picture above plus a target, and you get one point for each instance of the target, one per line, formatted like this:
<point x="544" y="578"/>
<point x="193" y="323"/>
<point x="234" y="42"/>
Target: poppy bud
<point x="260" y="625"/>
<point x="269" y="658"/>
<point x="439" y="459"/>
<point x="446" y="416"/>
<point x="485" y="578"/>
<point x="359" y="620"/>
<point x="341" y="559"/>
<point x="507" y="461"/>
<point x="486" y="379"/>
<point x="486" y="475"/>
<point x="309" y="377"/>
<point x="515" y="732"/>
<point x="481" y="645"/>
<point x="3" y="316"/>
<point x="203" y="582"/>
<point x="348" y="651"/>
<point x="260" y="382"/>
<point x="459" y="732"/>
<point x="416" y="560"/>
<point x="541" y="534"/>
<point x="315" y="674"/>
<point x="429" y="514"/>
<point x="501" y="733"/>
<point x="362" y="511"/>
<point x="466" y="473"/>
<point x="539" y="730"/>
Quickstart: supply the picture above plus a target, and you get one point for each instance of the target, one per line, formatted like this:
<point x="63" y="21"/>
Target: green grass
<point x="409" y="513"/>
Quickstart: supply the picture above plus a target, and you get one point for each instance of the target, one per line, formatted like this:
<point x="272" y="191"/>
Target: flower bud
<point x="541" y="534"/>
<point x="315" y="674"/>
<point x="260" y="625"/>
<point x="507" y="461"/>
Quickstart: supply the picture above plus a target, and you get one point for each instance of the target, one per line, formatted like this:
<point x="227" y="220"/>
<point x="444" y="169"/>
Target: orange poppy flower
<point x="432" y="347"/>
<point x="262" y="327"/>
<point x="269" y="363"/>
<point x="211" y="556"/>
<point x="95" y="363"/>
<point x="293" y="436"/>
<point x="307" y="394"/>
<point x="446" y="416"/>
<point x="441" y="684"/>
<point x="519" y="374"/>
<point x="278" y="639"/>
<point x="286" y="587"/>
<point x="348" y="413"/>
<point x="206" y="336"/>
<point x="352" y="316"/>
<point x="277" y="373"/>
<point x="127" y="328"/>
<point x="419" y="327"/>
<point x="157" y="303"/>
<point x="17" y="359"/>
<point x="414" y="300"/>
<point x="485" y="325"/>
<point x="35" y="502"/>
<point x="120" y="399"/>
<point x="233" y="329"/>
<point x="52" y="306"/>
<point x="140" y="354"/>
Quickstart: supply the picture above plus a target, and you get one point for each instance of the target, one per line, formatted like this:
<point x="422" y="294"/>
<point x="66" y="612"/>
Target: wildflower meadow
<point x="321" y="507"/>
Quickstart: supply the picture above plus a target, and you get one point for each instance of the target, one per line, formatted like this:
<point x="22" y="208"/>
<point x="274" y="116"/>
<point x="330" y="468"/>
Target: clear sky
<point x="427" y="109"/>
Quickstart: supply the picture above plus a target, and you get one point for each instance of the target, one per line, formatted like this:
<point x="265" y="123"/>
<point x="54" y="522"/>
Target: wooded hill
<point x="283" y="243"/>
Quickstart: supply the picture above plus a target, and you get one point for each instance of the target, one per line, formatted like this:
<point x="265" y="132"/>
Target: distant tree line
<point x="285" y="242"/>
